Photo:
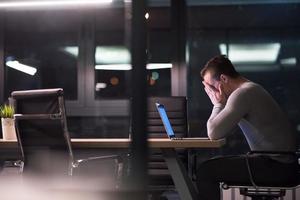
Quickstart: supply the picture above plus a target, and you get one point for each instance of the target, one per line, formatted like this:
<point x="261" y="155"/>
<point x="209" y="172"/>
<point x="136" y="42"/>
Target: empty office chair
<point x="272" y="190"/>
<point x="176" y="107"/>
<point x="43" y="137"/>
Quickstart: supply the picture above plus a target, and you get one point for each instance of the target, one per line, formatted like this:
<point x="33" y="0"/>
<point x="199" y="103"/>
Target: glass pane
<point x="41" y="50"/>
<point x="112" y="72"/>
<point x="112" y="56"/>
<point x="159" y="62"/>
<point x="264" y="47"/>
<point x="113" y="59"/>
<point x="98" y="127"/>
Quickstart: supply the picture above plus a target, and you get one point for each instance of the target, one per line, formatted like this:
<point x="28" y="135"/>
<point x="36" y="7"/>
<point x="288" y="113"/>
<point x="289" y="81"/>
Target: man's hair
<point x="219" y="65"/>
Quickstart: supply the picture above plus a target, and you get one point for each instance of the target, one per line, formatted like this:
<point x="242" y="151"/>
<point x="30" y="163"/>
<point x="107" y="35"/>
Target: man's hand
<point x="216" y="95"/>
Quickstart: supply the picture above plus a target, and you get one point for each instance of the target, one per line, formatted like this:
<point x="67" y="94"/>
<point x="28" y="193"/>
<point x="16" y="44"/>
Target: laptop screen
<point x="164" y="117"/>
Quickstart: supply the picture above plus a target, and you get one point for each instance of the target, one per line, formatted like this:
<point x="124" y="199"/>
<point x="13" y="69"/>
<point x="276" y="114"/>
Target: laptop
<point x="168" y="127"/>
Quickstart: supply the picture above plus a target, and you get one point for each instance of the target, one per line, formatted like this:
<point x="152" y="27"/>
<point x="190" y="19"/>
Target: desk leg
<point x="182" y="181"/>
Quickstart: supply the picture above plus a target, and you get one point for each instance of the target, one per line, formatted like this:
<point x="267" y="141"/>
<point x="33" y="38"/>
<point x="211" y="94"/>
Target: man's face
<point x="215" y="84"/>
<point x="209" y="80"/>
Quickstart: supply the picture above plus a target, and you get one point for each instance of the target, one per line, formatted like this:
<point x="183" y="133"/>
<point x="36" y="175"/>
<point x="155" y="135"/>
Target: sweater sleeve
<point x="224" y="118"/>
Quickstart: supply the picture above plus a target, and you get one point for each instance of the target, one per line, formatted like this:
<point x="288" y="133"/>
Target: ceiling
<point x="219" y="2"/>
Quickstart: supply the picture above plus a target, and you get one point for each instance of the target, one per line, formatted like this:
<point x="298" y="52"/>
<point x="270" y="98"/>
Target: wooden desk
<point x="153" y="143"/>
<point x="125" y="143"/>
<point x="177" y="170"/>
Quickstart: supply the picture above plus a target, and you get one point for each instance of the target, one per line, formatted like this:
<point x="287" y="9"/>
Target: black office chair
<point x="43" y="137"/>
<point x="267" y="190"/>
<point x="160" y="179"/>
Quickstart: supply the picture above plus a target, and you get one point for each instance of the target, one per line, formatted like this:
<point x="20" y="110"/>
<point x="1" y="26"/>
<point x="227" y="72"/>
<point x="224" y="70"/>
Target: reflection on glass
<point x="39" y="51"/>
<point x="48" y="64"/>
<point x="112" y="72"/>
<point x="159" y="81"/>
<point x="71" y="50"/>
<point x="21" y="67"/>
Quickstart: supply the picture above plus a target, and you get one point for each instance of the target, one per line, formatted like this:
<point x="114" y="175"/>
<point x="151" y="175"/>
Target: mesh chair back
<point x="42" y="130"/>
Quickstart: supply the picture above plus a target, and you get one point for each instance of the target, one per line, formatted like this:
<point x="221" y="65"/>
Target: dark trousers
<point x="234" y="170"/>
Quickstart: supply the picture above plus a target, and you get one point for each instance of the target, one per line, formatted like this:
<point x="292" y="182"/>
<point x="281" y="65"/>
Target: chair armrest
<point x="273" y="152"/>
<point x="119" y="165"/>
<point x="116" y="157"/>
<point x="14" y="163"/>
<point x="37" y="116"/>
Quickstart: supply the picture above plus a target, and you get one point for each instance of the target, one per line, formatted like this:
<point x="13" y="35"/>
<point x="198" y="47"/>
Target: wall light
<point x="53" y="3"/>
<point x="21" y="67"/>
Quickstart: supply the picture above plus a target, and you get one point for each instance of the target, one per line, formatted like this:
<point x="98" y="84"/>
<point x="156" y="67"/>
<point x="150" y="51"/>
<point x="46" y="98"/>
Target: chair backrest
<point x="41" y="127"/>
<point x="176" y="108"/>
<point x="271" y="189"/>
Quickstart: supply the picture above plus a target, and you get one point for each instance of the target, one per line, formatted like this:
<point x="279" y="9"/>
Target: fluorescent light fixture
<point x="150" y="66"/>
<point x="21" y="67"/>
<point x="159" y="66"/>
<point x="298" y="127"/>
<point x="257" y="68"/>
<point x="53" y="3"/>
<point x="114" y="58"/>
<point x="100" y="86"/>
<point x="105" y="54"/>
<point x="223" y="49"/>
<point x="266" y="53"/>
<point x="112" y="54"/>
<point x="72" y="50"/>
<point x="114" y="67"/>
<point x="288" y="61"/>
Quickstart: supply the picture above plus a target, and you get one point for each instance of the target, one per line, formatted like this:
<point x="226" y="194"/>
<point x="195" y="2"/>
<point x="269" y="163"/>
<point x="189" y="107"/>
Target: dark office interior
<point x="86" y="51"/>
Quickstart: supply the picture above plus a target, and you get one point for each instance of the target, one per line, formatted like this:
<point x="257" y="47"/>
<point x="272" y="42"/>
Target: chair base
<point x="262" y="194"/>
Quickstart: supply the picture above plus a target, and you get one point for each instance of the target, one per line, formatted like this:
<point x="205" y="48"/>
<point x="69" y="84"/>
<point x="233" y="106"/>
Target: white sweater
<point x="264" y="125"/>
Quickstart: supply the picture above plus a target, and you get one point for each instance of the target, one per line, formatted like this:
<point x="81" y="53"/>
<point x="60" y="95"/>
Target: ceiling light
<point x="72" y="50"/>
<point x="112" y="54"/>
<point x="100" y="86"/>
<point x="114" y="58"/>
<point x="114" y="67"/>
<point x="53" y="3"/>
<point x="150" y="66"/>
<point x="265" y="53"/>
<point x="104" y="54"/>
<point x="159" y="65"/>
<point x="288" y="61"/>
<point x="257" y="68"/>
<point x="21" y="67"/>
<point x="147" y="15"/>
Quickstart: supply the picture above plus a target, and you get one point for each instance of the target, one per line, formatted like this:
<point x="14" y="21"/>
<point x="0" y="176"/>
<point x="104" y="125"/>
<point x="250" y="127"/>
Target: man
<point x="238" y="101"/>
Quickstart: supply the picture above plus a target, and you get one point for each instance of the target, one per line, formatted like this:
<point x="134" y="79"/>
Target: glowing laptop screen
<point x="164" y="117"/>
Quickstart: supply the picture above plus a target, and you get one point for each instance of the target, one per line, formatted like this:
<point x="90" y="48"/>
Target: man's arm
<point x="225" y="118"/>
